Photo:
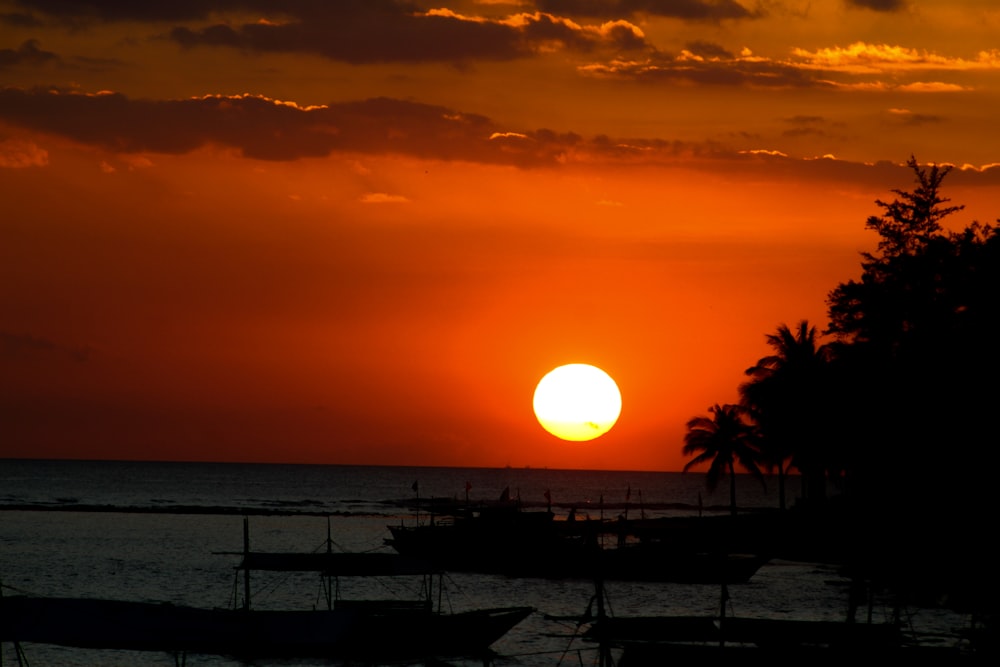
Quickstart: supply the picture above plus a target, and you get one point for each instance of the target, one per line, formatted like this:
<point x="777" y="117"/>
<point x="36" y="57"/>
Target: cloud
<point x="879" y="5"/>
<point x="764" y="151"/>
<point x="859" y="66"/>
<point x="262" y="128"/>
<point x="863" y="58"/>
<point x="265" y="129"/>
<point x="907" y="117"/>
<point x="439" y="35"/>
<point x="369" y="38"/>
<point x="28" y="347"/>
<point x="86" y="12"/>
<point x="507" y="135"/>
<point x="90" y="11"/>
<point x="351" y="31"/>
<point x="18" y="154"/>
<point x="704" y="68"/>
<point x="817" y="126"/>
<point x="383" y="198"/>
<point x="691" y="10"/>
<point x="707" y="49"/>
<point x="28" y="53"/>
<point x="931" y="87"/>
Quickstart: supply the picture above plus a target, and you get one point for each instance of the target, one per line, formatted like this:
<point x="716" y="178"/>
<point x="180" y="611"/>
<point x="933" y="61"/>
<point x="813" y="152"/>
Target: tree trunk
<point x="781" y="485"/>
<point x="732" y="489"/>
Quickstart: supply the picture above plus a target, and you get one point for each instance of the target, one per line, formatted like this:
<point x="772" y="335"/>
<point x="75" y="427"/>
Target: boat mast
<point x="327" y="576"/>
<point x="246" y="568"/>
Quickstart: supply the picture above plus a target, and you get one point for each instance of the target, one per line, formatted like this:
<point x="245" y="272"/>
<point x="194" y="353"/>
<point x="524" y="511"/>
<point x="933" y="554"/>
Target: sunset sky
<point x="362" y="231"/>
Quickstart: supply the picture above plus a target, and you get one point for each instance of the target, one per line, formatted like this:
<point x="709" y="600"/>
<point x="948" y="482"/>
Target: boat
<point x="505" y="539"/>
<point x="359" y="629"/>
<point x="646" y="641"/>
<point x="494" y="539"/>
<point x="660" y="640"/>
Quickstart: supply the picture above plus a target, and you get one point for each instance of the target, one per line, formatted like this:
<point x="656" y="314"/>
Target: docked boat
<point x="647" y="641"/>
<point x="363" y="629"/>
<point x="504" y="539"/>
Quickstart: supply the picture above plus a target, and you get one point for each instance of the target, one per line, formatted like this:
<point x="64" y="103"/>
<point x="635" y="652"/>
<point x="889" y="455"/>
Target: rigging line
<point x="586" y="618"/>
<point x="320" y="591"/>
<point x="607" y="601"/>
<point x="569" y="644"/>
<point x="19" y="590"/>
<point x="565" y="622"/>
<point x="236" y="587"/>
<point x="268" y="589"/>
<point x="452" y="586"/>
<point x="529" y="654"/>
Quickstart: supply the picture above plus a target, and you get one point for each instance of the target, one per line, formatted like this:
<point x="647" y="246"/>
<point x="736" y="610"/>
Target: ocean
<point x="167" y="532"/>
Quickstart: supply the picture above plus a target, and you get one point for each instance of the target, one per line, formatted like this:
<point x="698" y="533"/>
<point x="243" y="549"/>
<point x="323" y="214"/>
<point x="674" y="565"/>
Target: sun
<point x="577" y="402"/>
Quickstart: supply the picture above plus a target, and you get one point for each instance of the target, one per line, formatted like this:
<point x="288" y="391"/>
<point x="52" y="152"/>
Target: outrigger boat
<point x="648" y="641"/>
<point x="504" y="539"/>
<point x="369" y="630"/>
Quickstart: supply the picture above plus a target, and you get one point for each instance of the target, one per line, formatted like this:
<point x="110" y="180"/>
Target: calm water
<point x="172" y="550"/>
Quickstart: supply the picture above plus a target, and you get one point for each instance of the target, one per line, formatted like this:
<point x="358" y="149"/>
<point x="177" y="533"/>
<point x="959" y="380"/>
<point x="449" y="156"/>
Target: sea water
<point x="171" y="532"/>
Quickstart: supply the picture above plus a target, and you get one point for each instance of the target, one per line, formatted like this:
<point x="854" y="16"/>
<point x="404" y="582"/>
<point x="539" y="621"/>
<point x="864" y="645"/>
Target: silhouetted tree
<point x="915" y="333"/>
<point x="916" y="368"/>
<point x="724" y="440"/>
<point x="901" y="284"/>
<point x="787" y="399"/>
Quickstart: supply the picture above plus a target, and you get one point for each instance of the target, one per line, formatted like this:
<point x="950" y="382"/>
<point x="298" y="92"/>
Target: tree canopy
<point x="899" y="407"/>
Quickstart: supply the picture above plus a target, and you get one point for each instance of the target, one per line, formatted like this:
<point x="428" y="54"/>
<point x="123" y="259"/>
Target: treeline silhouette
<point x="894" y="405"/>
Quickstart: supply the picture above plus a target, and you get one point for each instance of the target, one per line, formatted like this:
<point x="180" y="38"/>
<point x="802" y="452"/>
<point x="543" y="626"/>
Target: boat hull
<point x="349" y="632"/>
<point x="547" y="554"/>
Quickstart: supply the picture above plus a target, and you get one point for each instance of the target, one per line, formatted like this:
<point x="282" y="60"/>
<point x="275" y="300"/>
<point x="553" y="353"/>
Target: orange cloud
<point x="19" y="154"/>
<point x="706" y="63"/>
<point x="864" y="58"/>
<point x="691" y="10"/>
<point x="383" y="198"/>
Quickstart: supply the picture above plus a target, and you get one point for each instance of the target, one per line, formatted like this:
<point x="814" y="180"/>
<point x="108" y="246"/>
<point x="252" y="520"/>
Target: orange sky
<point x="361" y="232"/>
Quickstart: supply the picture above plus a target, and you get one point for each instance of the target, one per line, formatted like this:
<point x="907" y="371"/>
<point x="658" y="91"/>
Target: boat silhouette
<point x="382" y="629"/>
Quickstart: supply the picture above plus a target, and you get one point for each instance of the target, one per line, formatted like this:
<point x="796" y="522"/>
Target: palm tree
<point x="725" y="439"/>
<point x="786" y="398"/>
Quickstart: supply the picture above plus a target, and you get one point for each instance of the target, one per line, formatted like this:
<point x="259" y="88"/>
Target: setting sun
<point x="577" y="402"/>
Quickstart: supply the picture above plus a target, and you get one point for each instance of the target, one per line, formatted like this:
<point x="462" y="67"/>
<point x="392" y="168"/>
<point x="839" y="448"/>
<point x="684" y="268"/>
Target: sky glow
<point x="359" y="232"/>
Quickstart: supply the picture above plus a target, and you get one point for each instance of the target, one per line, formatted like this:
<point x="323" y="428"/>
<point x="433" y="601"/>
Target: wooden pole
<point x="723" y="598"/>
<point x="327" y="576"/>
<point x="246" y="567"/>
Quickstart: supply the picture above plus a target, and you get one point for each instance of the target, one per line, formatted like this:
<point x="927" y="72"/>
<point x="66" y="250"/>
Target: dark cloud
<point x="19" y="20"/>
<point x="86" y="11"/>
<point x="804" y="120"/>
<point x="20" y="346"/>
<point x="804" y="131"/>
<point x="906" y="117"/>
<point x="378" y="37"/>
<point x="712" y="69"/>
<point x="73" y="11"/>
<point x="708" y="49"/>
<point x="266" y="129"/>
<point x="803" y="126"/>
<point x="370" y="38"/>
<point x="352" y="31"/>
<point x="26" y="54"/>
<point x="695" y="10"/>
<point x="879" y="5"/>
